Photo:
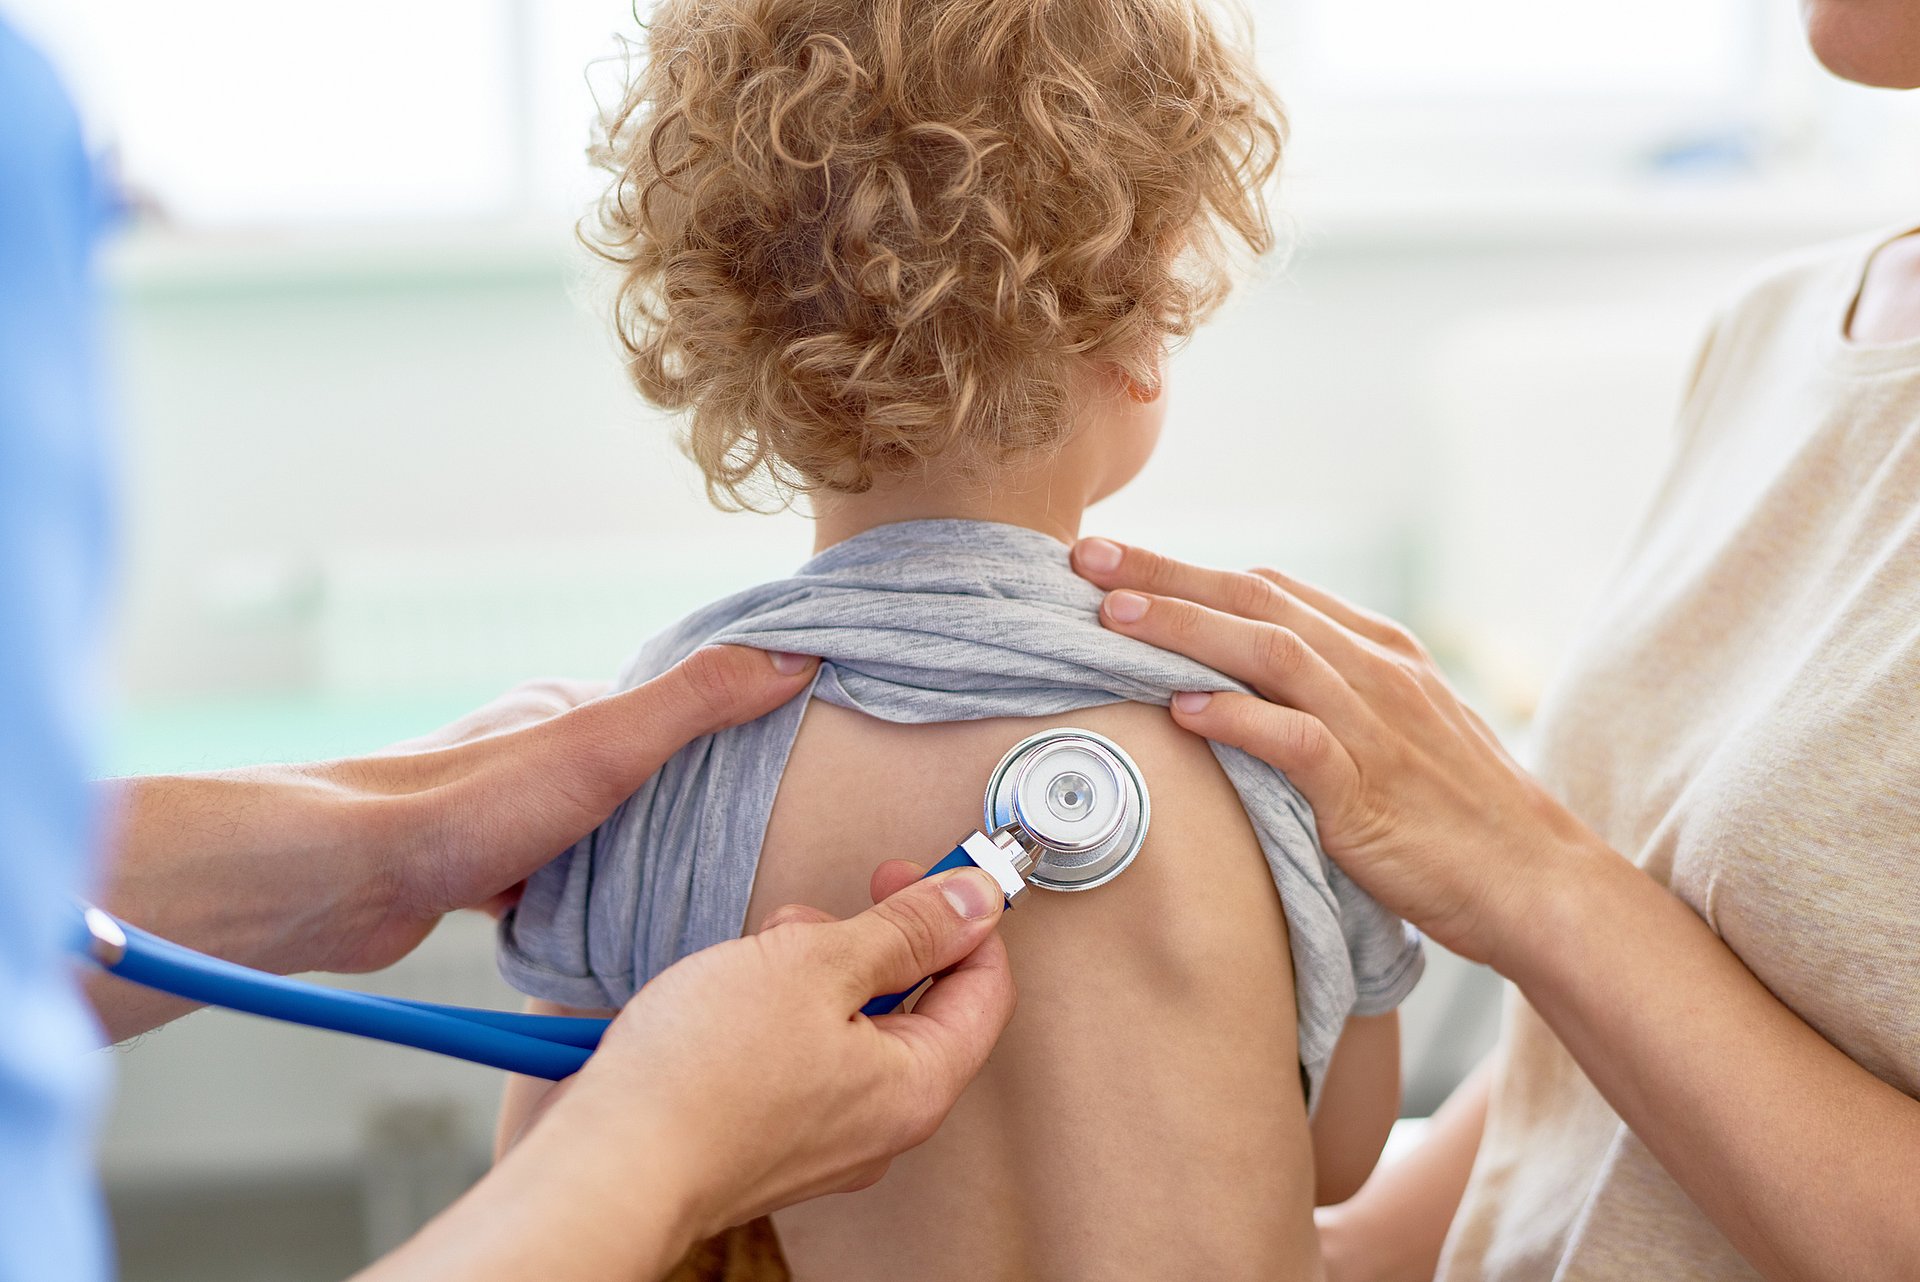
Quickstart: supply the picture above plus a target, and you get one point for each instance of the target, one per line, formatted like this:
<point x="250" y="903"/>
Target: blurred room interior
<point x="381" y="462"/>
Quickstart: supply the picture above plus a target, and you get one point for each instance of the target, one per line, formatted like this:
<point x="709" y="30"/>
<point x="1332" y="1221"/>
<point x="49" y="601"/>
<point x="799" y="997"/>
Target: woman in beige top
<point x="1709" y="902"/>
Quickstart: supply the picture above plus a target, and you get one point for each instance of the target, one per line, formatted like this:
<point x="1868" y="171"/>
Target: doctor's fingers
<point x="612" y="745"/>
<point x="792" y="914"/>
<point x="892" y="877"/>
<point x="952" y="1029"/>
<point x="919" y="931"/>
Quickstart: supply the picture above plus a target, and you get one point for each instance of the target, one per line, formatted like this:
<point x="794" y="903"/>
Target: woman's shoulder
<point x="1775" y="324"/>
<point x="1816" y="282"/>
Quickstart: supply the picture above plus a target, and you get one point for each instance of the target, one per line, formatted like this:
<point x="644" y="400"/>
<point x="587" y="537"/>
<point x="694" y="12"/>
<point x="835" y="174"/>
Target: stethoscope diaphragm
<point x="1077" y="804"/>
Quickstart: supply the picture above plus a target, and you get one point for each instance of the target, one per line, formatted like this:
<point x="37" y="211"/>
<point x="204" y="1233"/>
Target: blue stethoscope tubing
<point x="556" y="1046"/>
<point x="547" y="1046"/>
<point x="885" y="1005"/>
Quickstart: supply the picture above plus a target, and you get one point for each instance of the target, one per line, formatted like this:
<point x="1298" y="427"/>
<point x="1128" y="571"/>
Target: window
<point x="233" y="113"/>
<point x="1519" y="49"/>
<point x="1499" y="95"/>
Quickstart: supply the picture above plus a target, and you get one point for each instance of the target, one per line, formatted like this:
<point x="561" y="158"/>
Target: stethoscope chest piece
<point x="1075" y="801"/>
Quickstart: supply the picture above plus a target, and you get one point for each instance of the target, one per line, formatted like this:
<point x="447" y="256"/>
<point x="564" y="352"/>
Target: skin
<point x="1197" y="1157"/>
<point x="685" y="1120"/>
<point x="348" y="865"/>
<point x="1394" y="1230"/>
<point x="1888" y="309"/>
<point x="1420" y="804"/>
<point x="1133" y="1056"/>
<point x="1870" y="42"/>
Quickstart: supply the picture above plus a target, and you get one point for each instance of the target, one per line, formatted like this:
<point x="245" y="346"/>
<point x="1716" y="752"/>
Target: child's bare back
<point x="1142" y="1116"/>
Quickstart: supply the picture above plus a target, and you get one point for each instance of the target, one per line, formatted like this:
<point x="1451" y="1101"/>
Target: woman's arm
<point x="1800" y="1156"/>
<point x="1392" y="1230"/>
<point x="1358" y="1103"/>
<point x="1807" y="1162"/>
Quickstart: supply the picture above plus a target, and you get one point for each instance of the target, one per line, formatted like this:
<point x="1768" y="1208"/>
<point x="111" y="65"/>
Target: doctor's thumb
<point x="723" y="685"/>
<point x="618" y="741"/>
<point x="922" y="929"/>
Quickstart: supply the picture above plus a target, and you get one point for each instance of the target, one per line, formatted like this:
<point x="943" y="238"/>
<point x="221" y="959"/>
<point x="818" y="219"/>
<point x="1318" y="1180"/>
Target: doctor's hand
<point x="741" y="1080"/>
<point x="1413" y="795"/>
<point x="347" y="865"/>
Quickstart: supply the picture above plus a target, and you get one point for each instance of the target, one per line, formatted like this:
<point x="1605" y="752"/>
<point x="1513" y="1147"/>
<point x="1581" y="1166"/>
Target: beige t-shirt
<point x="1742" y="718"/>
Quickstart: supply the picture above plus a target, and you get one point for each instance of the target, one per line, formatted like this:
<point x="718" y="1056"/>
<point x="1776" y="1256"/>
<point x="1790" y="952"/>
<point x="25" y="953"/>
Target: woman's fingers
<point x="1110" y="565"/>
<point x="1376" y="628"/>
<point x="1273" y="660"/>
<point x="1266" y="595"/>
<point x="1293" y="742"/>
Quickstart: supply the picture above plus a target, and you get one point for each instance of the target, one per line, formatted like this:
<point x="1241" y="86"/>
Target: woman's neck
<point x="1887" y="309"/>
<point x="1047" y="497"/>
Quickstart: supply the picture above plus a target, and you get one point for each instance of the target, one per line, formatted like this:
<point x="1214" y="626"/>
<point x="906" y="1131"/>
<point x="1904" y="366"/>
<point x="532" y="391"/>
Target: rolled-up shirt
<point x="916" y="622"/>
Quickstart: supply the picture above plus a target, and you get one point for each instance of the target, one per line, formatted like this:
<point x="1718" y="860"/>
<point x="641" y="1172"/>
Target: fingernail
<point x="787" y="664"/>
<point x="1191" y="701"/>
<point x="1126" y="607"/>
<point x="1102" y="556"/>
<point x="972" y="893"/>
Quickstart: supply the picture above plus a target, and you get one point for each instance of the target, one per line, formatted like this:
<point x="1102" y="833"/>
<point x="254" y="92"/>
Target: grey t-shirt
<point x="919" y="622"/>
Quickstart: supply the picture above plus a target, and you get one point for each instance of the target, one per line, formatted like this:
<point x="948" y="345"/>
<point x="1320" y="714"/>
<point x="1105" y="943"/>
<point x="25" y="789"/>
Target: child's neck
<point x="1047" y="497"/>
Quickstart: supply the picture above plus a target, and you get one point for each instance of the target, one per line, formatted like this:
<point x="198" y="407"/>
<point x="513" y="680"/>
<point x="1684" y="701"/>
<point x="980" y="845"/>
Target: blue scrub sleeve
<point x="53" y="541"/>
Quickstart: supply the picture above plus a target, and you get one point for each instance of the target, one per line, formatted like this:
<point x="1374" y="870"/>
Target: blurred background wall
<point x="381" y="462"/>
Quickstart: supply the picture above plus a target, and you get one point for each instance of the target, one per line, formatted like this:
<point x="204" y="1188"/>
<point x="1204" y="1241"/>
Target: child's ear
<point x="1143" y="389"/>
<point x="1143" y="394"/>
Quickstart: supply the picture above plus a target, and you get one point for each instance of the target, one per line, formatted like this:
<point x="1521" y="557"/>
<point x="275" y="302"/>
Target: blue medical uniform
<point x="53" y="554"/>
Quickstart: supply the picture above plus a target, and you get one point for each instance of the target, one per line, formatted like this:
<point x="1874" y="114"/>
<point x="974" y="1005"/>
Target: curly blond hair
<point x="854" y="236"/>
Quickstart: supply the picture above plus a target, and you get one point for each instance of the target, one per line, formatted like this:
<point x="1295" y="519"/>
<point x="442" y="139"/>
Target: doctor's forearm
<point x="567" y="1204"/>
<point x="257" y="866"/>
<point x="1799" y="1155"/>
<point x="346" y="865"/>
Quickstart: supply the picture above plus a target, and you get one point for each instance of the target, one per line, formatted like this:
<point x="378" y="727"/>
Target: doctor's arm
<point x="1800" y="1156"/>
<point x="347" y="865"/>
<point x="740" y="1080"/>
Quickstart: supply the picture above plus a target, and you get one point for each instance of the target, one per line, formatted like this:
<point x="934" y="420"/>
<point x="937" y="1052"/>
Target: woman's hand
<point x="741" y="1080"/>
<point x="1793" y="1150"/>
<point x="347" y="865"/>
<point x="1414" y="796"/>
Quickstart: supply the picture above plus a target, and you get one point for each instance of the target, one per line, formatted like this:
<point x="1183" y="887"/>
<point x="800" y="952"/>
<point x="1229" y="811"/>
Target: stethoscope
<point x="1066" y="810"/>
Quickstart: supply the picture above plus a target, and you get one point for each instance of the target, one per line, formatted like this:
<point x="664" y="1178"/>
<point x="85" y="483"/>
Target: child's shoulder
<point x="857" y="790"/>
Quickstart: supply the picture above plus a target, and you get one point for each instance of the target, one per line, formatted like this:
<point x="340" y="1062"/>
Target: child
<point x="919" y="261"/>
